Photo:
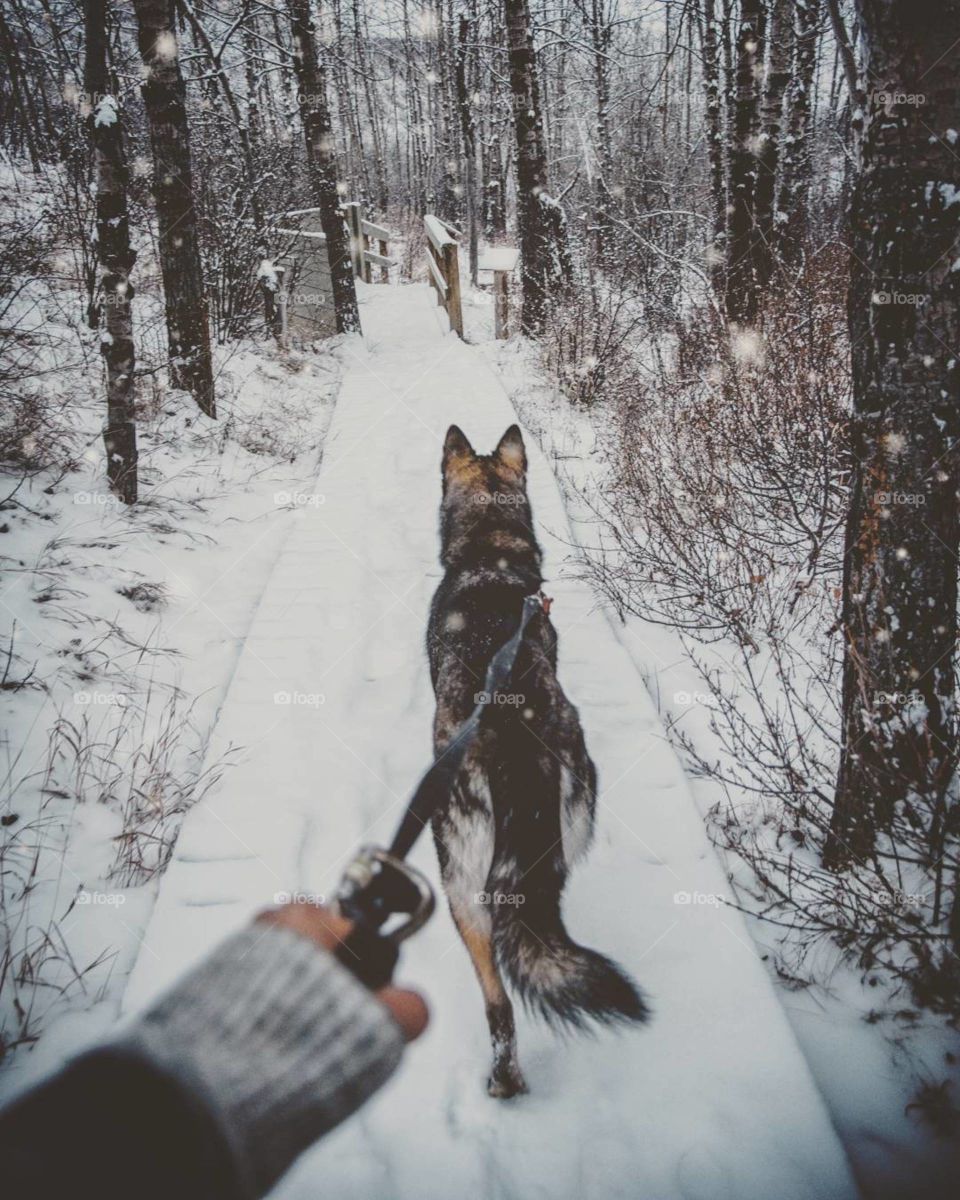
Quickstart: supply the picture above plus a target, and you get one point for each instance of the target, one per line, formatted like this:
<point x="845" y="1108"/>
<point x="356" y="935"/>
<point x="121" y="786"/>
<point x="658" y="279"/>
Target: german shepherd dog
<point x="522" y="809"/>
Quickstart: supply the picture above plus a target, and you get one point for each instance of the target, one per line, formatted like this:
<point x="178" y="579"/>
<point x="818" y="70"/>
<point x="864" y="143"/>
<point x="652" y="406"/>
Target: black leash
<point x="378" y="884"/>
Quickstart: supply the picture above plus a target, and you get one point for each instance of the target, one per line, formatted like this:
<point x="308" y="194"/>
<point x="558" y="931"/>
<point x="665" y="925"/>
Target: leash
<point x="379" y="884"/>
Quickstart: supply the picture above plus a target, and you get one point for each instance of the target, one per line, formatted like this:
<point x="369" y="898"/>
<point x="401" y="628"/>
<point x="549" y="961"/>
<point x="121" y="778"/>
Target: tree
<point x="771" y="127"/>
<point x="599" y="17"/>
<point x="469" y="135"/>
<point x="900" y="588"/>
<point x="794" y="200"/>
<point x="715" y="143"/>
<point x="164" y="96"/>
<point x="114" y="256"/>
<point x="740" y="278"/>
<point x="544" y="264"/>
<point x="322" y="164"/>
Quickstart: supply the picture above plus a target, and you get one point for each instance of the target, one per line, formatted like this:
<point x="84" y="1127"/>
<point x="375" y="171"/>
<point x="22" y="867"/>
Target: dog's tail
<point x="560" y="980"/>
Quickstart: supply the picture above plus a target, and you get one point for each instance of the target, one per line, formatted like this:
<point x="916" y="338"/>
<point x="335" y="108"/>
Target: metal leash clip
<point x="375" y="887"/>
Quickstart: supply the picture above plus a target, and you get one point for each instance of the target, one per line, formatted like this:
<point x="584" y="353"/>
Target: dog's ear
<point x="511" y="452"/>
<point x="456" y="447"/>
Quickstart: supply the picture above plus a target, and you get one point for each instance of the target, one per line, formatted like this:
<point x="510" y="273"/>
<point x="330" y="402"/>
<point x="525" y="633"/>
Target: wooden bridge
<point x="329" y="717"/>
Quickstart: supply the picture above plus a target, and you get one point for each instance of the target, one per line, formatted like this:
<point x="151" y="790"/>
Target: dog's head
<point x="484" y="491"/>
<point x="483" y="474"/>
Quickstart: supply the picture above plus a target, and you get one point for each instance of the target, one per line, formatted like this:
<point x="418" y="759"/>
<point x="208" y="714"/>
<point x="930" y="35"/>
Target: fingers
<point x="408" y="1009"/>
<point x="327" y="930"/>
<point x="320" y="925"/>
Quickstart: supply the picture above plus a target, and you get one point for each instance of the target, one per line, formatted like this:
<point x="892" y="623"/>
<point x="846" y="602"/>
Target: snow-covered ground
<point x="124" y="629"/>
<point x="871" y="1068"/>
<point x="330" y="702"/>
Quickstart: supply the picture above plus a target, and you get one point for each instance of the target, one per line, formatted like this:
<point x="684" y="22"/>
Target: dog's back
<point x="523" y="808"/>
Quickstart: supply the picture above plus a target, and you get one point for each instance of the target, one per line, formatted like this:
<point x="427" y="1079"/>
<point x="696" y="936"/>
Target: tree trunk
<point x="321" y="160"/>
<point x="601" y="37"/>
<point x="900" y="589"/>
<point x="542" y="223"/>
<point x="771" y="122"/>
<point x="740" y="282"/>
<point x="164" y="94"/>
<point x="114" y="255"/>
<point x="718" y="183"/>
<point x="468" y="132"/>
<point x="793" y="205"/>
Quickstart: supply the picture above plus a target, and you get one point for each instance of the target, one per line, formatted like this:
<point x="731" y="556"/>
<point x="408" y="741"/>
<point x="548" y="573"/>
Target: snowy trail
<point x="712" y="1101"/>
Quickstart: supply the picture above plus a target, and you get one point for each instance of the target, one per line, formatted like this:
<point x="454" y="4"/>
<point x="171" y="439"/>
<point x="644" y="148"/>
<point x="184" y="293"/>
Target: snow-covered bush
<point x="723" y="519"/>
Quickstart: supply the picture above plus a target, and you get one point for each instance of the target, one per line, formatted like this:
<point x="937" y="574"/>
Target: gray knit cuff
<point x="278" y="1038"/>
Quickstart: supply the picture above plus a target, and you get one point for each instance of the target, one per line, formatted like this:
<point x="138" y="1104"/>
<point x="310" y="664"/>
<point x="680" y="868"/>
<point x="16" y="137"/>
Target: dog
<point x="522" y="810"/>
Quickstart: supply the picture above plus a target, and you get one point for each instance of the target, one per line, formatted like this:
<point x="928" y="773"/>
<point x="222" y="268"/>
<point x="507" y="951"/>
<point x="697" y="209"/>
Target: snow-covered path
<point x="331" y="702"/>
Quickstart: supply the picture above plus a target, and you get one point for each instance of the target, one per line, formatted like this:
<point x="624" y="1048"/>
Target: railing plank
<point x="437" y="232"/>
<point x="375" y="231"/>
<point x="381" y="260"/>
<point x="438" y="280"/>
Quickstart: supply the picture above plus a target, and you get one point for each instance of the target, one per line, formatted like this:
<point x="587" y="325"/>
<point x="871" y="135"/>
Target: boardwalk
<point x="331" y="703"/>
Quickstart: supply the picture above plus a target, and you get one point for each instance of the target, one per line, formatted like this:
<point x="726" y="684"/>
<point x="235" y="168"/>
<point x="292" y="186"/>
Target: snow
<point x="869" y="1067"/>
<point x="498" y="258"/>
<point x="106" y="112"/>
<point x="126" y="625"/>
<point x="714" y="1099"/>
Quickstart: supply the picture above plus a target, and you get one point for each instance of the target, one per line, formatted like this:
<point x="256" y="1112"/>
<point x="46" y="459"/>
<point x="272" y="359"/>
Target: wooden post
<point x="384" y="271"/>
<point x="501" y="304"/>
<point x="367" y="268"/>
<point x="355" y="222"/>
<point x="282" y="304"/>
<point x="501" y="261"/>
<point x="451" y="273"/>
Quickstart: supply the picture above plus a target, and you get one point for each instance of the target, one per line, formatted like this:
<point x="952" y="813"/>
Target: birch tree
<point x="740" y="278"/>
<point x="715" y="140"/>
<point x="771" y="131"/>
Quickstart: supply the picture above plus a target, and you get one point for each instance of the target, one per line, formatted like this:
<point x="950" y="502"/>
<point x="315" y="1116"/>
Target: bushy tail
<point x="560" y="980"/>
<point x="555" y="977"/>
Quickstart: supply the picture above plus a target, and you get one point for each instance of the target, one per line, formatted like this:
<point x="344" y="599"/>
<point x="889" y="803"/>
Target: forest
<point x="255" y="257"/>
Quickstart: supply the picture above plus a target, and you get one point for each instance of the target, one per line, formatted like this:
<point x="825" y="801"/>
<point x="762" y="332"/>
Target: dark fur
<point x="524" y="804"/>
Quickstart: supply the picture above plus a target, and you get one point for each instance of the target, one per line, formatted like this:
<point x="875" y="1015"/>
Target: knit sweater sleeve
<point x="277" y="1040"/>
<point x="214" y="1091"/>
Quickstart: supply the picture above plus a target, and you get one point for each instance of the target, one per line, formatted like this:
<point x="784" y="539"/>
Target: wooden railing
<point x="363" y="234"/>
<point x="443" y="263"/>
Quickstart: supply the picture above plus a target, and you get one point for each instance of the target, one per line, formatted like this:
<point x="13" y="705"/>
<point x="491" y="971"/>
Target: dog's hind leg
<point x="476" y="929"/>
<point x="464" y="838"/>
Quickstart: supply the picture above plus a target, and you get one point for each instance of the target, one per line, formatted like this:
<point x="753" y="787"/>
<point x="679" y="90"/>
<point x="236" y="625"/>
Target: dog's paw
<point x="503" y="1084"/>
